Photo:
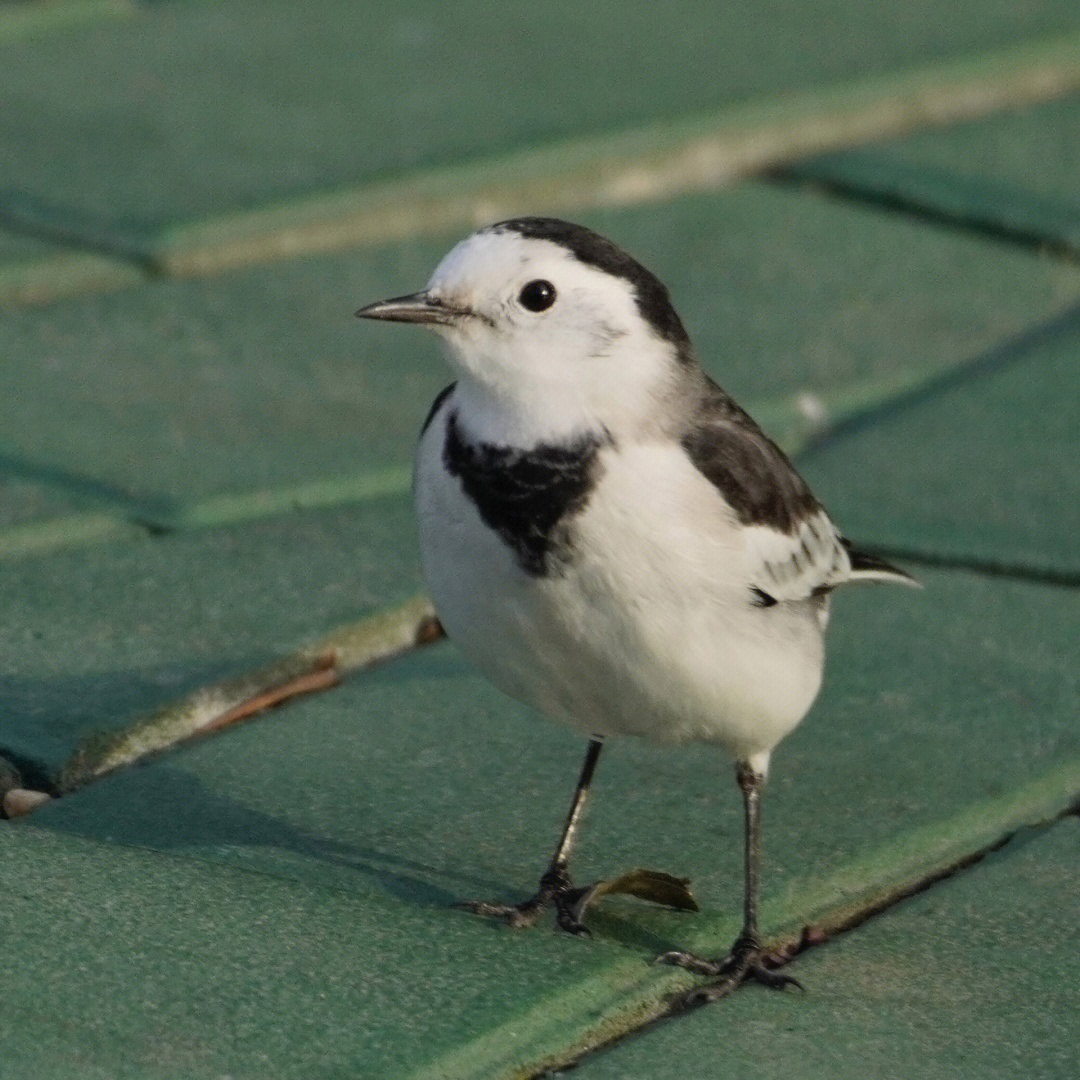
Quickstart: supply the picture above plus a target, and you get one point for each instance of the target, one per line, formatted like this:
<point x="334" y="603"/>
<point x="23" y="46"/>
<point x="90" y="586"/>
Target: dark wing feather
<point x="794" y="548"/>
<point x="746" y="466"/>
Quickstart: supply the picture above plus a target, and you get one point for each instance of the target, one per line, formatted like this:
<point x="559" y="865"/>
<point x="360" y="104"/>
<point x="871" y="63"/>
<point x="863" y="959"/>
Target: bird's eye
<point x="537" y="295"/>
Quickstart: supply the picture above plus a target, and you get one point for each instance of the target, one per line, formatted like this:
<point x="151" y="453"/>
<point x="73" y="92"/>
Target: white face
<point x="587" y="360"/>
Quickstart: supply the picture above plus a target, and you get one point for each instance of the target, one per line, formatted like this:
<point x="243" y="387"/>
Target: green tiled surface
<point x="275" y="900"/>
<point x="982" y="469"/>
<point x="262" y="378"/>
<point x="192" y="108"/>
<point x="1015" y="172"/>
<point x="95" y="637"/>
<point x="977" y="977"/>
<point x="418" y="784"/>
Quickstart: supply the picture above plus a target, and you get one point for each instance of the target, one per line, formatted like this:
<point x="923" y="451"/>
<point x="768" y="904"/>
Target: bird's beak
<point x="420" y="307"/>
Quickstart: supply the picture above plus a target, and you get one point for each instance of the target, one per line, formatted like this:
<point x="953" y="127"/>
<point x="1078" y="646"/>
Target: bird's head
<point x="554" y="330"/>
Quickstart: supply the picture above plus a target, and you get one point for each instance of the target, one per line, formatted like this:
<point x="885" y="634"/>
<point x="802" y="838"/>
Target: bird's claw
<point x="556" y="890"/>
<point x="747" y="962"/>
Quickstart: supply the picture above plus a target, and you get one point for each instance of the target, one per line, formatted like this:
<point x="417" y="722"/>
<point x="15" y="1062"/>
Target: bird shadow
<point x="171" y="811"/>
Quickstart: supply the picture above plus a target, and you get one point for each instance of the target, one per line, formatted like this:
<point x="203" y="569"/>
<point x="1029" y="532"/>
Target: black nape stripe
<point x="586" y="246"/>
<point x="443" y="394"/>
<point x="526" y="496"/>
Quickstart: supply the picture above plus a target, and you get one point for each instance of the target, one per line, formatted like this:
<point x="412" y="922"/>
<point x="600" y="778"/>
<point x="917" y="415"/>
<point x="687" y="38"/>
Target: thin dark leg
<point x="750" y="784"/>
<point x="577" y="805"/>
<point x="745" y="961"/>
<point x="556" y="887"/>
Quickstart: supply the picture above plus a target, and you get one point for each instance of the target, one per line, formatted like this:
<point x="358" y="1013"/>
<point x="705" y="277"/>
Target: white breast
<point x="648" y="629"/>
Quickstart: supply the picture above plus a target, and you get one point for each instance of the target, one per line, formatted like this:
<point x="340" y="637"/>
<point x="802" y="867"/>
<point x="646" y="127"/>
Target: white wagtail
<point x="607" y="535"/>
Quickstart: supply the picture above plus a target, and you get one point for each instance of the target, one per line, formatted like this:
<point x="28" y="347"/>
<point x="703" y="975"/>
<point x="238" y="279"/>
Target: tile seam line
<point x="72" y="241"/>
<point x="118" y="515"/>
<point x="623" y="1014"/>
<point x="384" y="635"/>
<point x="621" y="167"/>
<point x="991" y="568"/>
<point x="969" y="222"/>
<point x="851" y="921"/>
<point x="123" y="517"/>
<point x="986" y="567"/>
<point x="391" y="631"/>
<point x="706" y="154"/>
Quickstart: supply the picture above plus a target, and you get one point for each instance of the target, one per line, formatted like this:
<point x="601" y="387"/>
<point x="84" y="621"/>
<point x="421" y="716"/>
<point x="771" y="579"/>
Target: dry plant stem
<point x="322" y="677"/>
<point x="350" y="648"/>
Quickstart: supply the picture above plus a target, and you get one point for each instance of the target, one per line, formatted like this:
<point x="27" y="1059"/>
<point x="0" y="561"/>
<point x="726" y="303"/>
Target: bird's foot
<point x="556" y="890"/>
<point x="747" y="962"/>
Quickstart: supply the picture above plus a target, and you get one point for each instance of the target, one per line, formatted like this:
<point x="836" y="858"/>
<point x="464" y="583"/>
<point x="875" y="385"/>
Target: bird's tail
<point x="867" y="567"/>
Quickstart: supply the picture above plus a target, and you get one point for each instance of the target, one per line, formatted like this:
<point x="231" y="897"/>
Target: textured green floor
<point x="1015" y="173"/>
<point x="166" y="396"/>
<point x="95" y="637"/>
<point x="974" y="978"/>
<point x="191" y="108"/>
<point x="361" y="797"/>
<point x="197" y="476"/>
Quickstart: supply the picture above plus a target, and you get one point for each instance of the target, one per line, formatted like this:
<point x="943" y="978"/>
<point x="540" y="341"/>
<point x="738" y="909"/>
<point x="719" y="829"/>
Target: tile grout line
<point x="348" y="649"/>
<point x="798" y="421"/>
<point x="635" y="166"/>
<point x="992" y="568"/>
<point x="966" y="220"/>
<point x="621" y="168"/>
<point x="607" y="1006"/>
<point x="821" y="935"/>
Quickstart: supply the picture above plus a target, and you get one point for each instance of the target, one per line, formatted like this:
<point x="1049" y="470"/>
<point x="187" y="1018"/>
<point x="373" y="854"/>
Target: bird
<point x="609" y="537"/>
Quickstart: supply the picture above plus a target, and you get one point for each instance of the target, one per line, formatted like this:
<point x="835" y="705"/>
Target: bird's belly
<point x="631" y="634"/>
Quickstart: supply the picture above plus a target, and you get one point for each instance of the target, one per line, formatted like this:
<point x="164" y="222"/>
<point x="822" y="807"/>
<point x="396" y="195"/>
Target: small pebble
<point x="812" y="407"/>
<point x="19" y="801"/>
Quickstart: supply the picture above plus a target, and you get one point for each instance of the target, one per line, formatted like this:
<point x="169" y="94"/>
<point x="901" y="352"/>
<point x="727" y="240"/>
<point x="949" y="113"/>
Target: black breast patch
<point x="526" y="496"/>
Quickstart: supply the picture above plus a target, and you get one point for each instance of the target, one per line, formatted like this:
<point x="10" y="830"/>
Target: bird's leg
<point x="746" y="961"/>
<point x="556" y="888"/>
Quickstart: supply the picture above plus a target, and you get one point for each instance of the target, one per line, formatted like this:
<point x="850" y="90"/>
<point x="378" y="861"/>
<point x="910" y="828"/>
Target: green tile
<point x="24" y="19"/>
<point x="95" y="637"/>
<point x="129" y="966"/>
<point x="23" y="501"/>
<point x="980" y="469"/>
<point x="1014" y="174"/>
<point x="976" y="977"/>
<point x="193" y="109"/>
<point x="149" y="400"/>
<point x="39" y="271"/>
<point x="948" y="719"/>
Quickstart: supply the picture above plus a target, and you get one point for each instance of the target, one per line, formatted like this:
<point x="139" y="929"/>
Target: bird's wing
<point x="794" y="550"/>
